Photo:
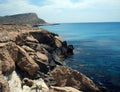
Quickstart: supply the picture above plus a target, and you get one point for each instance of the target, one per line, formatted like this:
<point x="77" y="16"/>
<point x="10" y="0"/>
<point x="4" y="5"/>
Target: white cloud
<point x="58" y="9"/>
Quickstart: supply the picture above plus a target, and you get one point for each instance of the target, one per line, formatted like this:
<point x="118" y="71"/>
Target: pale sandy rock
<point x="63" y="89"/>
<point x="59" y="38"/>
<point x="31" y="39"/>
<point x="58" y="43"/>
<point x="28" y="49"/>
<point x="26" y="88"/>
<point x="42" y="57"/>
<point x="14" y="82"/>
<point x="41" y="85"/>
<point x="34" y="85"/>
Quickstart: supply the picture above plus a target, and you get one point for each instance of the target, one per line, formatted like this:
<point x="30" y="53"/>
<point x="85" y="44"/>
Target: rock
<point x="13" y="50"/>
<point x="59" y="38"/>
<point x="68" y="77"/>
<point x="31" y="39"/>
<point x="7" y="63"/>
<point x="26" y="89"/>
<point x="43" y="48"/>
<point x="70" y="49"/>
<point x="14" y="82"/>
<point x="4" y="86"/>
<point x="58" y="43"/>
<point x="63" y="89"/>
<point x="34" y="85"/>
<point x="26" y="63"/>
<point x="27" y="82"/>
<point x="44" y="38"/>
<point x="42" y="57"/>
<point x="41" y="84"/>
<point x="28" y="49"/>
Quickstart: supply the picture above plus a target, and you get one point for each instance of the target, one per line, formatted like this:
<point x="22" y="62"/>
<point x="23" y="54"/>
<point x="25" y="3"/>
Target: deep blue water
<point x="97" y="50"/>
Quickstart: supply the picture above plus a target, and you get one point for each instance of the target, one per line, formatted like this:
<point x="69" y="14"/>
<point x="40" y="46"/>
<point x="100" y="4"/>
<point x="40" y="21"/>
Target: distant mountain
<point x="26" y="18"/>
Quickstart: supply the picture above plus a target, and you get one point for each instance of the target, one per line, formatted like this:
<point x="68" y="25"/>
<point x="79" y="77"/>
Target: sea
<point x="96" y="50"/>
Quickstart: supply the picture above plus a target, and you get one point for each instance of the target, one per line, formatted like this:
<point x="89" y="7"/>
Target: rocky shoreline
<point x="31" y="60"/>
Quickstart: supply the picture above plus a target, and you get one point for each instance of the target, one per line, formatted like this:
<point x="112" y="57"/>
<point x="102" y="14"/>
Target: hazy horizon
<point x="67" y="11"/>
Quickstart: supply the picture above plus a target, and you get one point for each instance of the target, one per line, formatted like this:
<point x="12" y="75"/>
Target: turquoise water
<point x="97" y="50"/>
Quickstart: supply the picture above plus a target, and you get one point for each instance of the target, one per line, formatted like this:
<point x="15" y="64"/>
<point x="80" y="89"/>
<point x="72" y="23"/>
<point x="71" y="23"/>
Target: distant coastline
<point x="46" y="24"/>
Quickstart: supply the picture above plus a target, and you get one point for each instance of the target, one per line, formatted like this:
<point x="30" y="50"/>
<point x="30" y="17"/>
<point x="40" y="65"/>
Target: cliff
<point x="31" y="60"/>
<point x="26" y="18"/>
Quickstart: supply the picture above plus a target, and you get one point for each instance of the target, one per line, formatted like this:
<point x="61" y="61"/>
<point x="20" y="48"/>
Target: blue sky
<point x="65" y="10"/>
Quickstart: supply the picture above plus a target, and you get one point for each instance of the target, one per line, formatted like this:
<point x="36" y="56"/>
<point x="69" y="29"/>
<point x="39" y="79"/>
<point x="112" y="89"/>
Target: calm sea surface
<point x="97" y="50"/>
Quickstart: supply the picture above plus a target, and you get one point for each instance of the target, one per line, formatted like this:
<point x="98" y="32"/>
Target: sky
<point x="65" y="10"/>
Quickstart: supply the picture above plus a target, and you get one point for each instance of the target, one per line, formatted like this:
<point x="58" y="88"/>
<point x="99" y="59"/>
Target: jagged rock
<point x="42" y="57"/>
<point x="41" y="84"/>
<point x="13" y="50"/>
<point x="43" y="48"/>
<point x="59" y="38"/>
<point x="26" y="63"/>
<point x="7" y="63"/>
<point x="58" y="43"/>
<point x="68" y="77"/>
<point x="4" y="86"/>
<point x="27" y="82"/>
<point x="63" y="89"/>
<point x="31" y="39"/>
<point x="28" y="49"/>
<point x="70" y="49"/>
<point x="34" y="85"/>
<point x="44" y="38"/>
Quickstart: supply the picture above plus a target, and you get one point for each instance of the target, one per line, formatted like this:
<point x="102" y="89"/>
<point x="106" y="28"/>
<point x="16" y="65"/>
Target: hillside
<point x="26" y="18"/>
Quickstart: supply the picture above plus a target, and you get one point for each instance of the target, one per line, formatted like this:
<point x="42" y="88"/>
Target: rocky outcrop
<point x="25" y="62"/>
<point x="68" y="77"/>
<point x="29" y="60"/>
<point x="26" y="18"/>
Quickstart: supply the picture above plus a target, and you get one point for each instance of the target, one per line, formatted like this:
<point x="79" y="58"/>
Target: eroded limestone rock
<point x="68" y="77"/>
<point x="26" y="63"/>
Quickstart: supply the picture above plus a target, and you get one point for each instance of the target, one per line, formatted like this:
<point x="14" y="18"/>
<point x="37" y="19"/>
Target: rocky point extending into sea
<point x="31" y="60"/>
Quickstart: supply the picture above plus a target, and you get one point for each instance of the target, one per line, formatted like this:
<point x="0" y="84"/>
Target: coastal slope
<point x="31" y="60"/>
<point x="25" y="18"/>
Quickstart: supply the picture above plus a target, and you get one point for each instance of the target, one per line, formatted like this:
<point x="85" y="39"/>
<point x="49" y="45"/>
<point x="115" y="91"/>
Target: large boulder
<point x="6" y="61"/>
<point x="44" y="38"/>
<point x="25" y="62"/>
<point x="65" y="76"/>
